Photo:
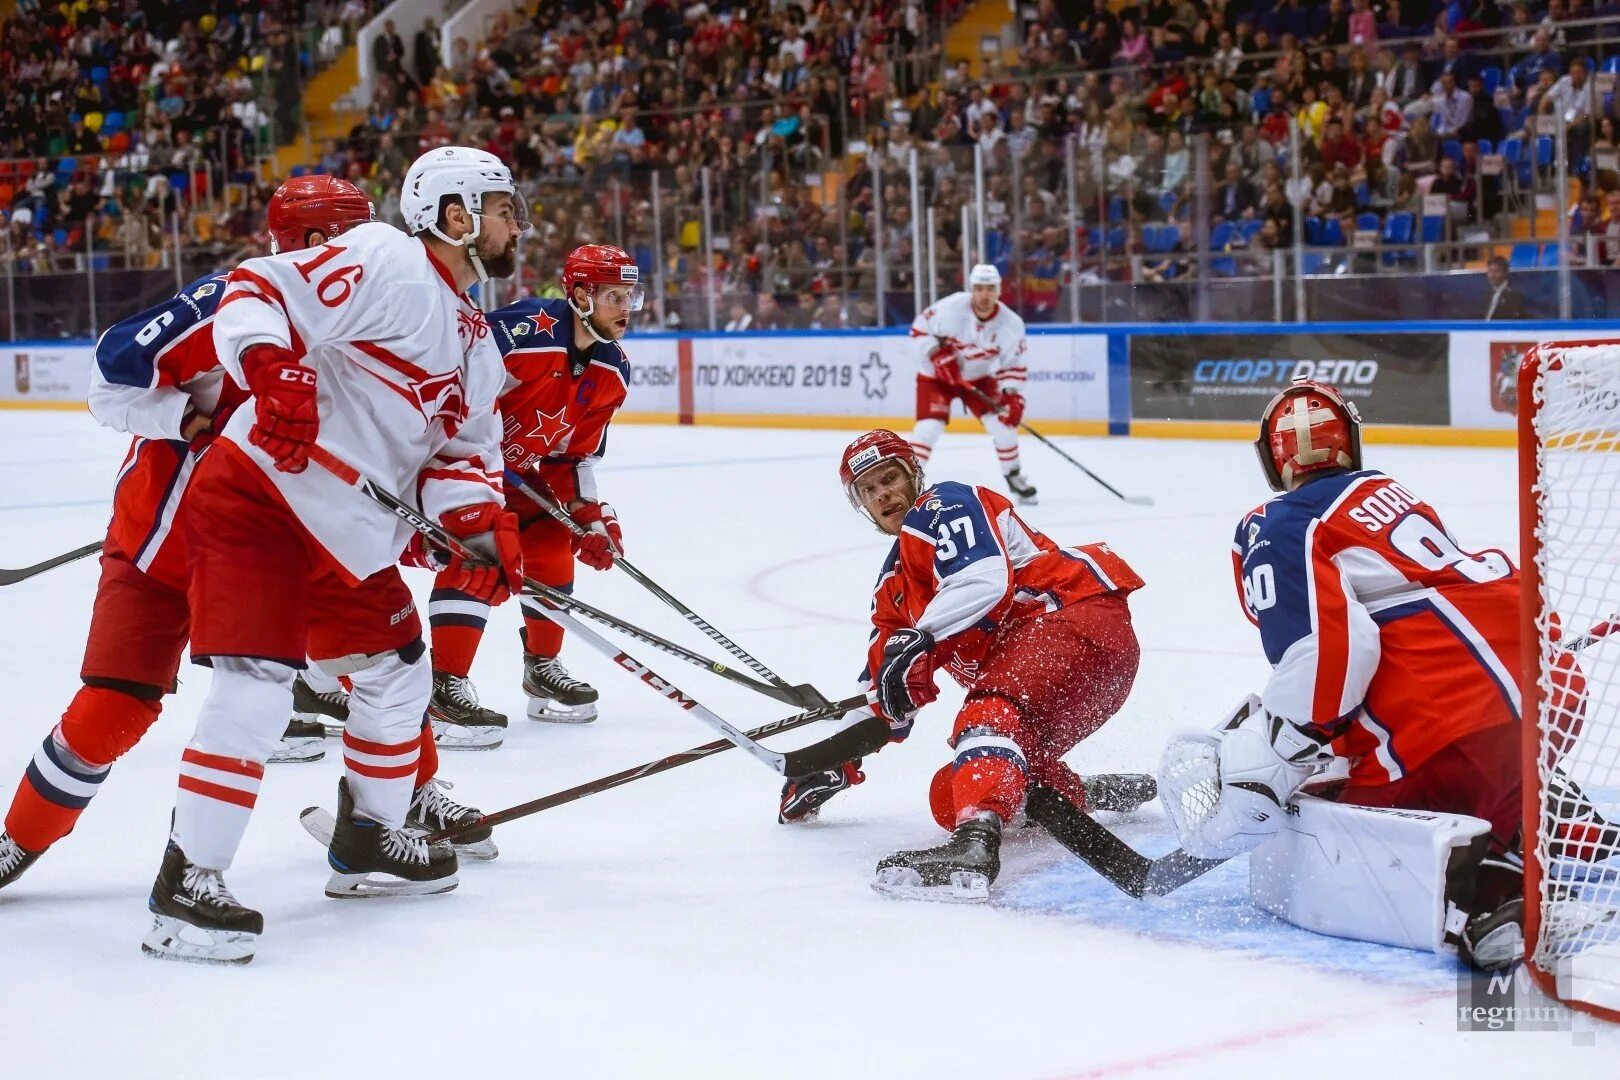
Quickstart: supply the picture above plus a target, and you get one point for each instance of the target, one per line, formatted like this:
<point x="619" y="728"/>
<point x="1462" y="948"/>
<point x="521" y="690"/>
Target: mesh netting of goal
<point x="1569" y="463"/>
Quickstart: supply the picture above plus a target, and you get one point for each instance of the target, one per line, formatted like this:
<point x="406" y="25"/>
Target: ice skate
<point x="554" y="695"/>
<point x="959" y="871"/>
<point x="1020" y="486"/>
<point x="433" y="811"/>
<point x="459" y="721"/>
<point x="370" y="860"/>
<point x="195" y="916"/>
<point x="327" y="707"/>
<point x="14" y="860"/>
<point x="304" y="740"/>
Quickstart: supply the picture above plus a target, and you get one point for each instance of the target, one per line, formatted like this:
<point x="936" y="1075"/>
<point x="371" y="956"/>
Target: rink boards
<point x="1417" y="383"/>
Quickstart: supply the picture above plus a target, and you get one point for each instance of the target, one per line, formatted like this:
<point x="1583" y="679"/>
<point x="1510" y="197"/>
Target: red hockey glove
<point x="603" y="540"/>
<point x="802" y="796"/>
<point x="1010" y="407"/>
<point x="946" y="370"/>
<point x="905" y="680"/>
<point x="492" y="532"/>
<point x="286" y="418"/>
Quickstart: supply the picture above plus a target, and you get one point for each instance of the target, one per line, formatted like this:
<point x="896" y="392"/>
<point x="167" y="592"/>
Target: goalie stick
<point x="861" y="738"/>
<point x="1117" y="862"/>
<point x="11" y="577"/>
<point x="803" y="695"/>
<point x="317" y="821"/>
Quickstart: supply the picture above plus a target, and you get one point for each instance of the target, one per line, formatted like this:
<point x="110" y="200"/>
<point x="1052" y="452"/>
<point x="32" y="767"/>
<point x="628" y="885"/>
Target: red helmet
<point x="306" y="204"/>
<point x="590" y="265"/>
<point x="868" y="452"/>
<point x="1307" y="428"/>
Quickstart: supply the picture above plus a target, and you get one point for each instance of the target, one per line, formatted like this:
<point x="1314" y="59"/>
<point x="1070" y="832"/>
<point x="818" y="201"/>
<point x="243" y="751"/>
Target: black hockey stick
<point x="318" y="821"/>
<point x="11" y="577"/>
<point x="1117" y="862"/>
<point x="1134" y="500"/>
<point x="804" y="695"/>
<point x="861" y="739"/>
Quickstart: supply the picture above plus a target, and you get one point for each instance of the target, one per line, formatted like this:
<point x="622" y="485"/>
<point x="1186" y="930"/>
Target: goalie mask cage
<point x="1569" y="515"/>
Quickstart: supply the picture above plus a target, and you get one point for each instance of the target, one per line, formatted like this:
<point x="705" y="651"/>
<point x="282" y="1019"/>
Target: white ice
<point x="671" y="927"/>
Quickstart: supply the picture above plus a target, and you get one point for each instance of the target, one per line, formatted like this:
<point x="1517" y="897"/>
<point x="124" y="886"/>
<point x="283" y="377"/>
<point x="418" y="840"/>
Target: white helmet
<point x="465" y="173"/>
<point x="984" y="274"/>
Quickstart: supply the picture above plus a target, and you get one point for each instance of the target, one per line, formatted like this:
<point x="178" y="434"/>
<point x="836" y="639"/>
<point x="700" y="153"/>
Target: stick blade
<point x="1116" y="861"/>
<point x="1140" y="500"/>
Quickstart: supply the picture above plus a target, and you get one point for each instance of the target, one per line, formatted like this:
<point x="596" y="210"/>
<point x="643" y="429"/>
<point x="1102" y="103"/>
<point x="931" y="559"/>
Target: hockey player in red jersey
<point x="1391" y="647"/>
<point x="157" y="377"/>
<point x="1039" y="635"/>
<point x="370" y="345"/>
<point x="566" y="376"/>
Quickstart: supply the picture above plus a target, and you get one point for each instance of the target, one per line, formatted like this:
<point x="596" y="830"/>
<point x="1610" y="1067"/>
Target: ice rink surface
<point x="671" y="927"/>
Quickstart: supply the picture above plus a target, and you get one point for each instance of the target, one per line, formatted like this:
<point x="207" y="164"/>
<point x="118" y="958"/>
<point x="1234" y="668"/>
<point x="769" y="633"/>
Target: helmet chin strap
<point x="585" y="317"/>
<point x="469" y="241"/>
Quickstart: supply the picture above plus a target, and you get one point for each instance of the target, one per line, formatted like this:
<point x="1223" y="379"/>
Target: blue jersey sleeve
<point x="951" y="517"/>
<point x="128" y="353"/>
<point x="531" y="323"/>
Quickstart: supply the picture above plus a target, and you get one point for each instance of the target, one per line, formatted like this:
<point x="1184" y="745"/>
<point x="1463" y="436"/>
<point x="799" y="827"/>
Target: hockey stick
<point x="862" y="738"/>
<point x="1134" y="500"/>
<point x="1117" y="862"/>
<point x="11" y="577"/>
<point x="318" y="820"/>
<point x="804" y="695"/>
<point x="1594" y="635"/>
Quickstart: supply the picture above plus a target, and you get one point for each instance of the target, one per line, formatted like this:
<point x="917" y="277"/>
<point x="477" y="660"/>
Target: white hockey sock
<point x="238" y="726"/>
<point x="924" y="436"/>
<point x="1005" y="440"/>
<point x="383" y="738"/>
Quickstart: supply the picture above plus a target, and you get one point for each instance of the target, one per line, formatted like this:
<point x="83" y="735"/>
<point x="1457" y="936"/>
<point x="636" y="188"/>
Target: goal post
<point x="1568" y="408"/>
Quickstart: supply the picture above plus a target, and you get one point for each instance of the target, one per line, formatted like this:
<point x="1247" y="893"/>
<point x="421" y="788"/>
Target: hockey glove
<point x="286" y="419"/>
<point x="491" y="531"/>
<point x="945" y="365"/>
<point x="1010" y="407"/>
<point x="603" y="539"/>
<point x="802" y="796"/>
<point x="905" y="681"/>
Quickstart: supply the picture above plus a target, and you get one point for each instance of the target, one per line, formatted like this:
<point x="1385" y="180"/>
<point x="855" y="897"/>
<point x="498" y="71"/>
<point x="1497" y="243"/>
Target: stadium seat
<point x="1492" y="78"/>
<point x="1611" y="65"/>
<point x="1223" y="266"/>
<point x="1170" y="237"/>
<point x="1248" y="228"/>
<point x="1332" y="233"/>
<point x="1452" y="149"/>
<point x="1222" y="235"/>
<point x="1524" y="257"/>
<point x="1116" y="238"/>
<point x="1150" y="237"/>
<point x="1312" y="262"/>
<point x="1399" y="229"/>
<point x="1486" y="147"/>
<point x="1363" y="194"/>
<point x="1549" y="255"/>
<point x="1434" y="229"/>
<point x="1313" y="230"/>
<point x="1167" y="202"/>
<point x="1116" y="208"/>
<point x="1368" y="222"/>
<point x="1544" y="151"/>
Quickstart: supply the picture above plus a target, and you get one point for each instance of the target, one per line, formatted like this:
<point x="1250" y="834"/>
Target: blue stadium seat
<point x="60" y="236"/>
<point x="1248" y="228"/>
<point x="1151" y="241"/>
<point x="1434" y="230"/>
<point x="98" y="75"/>
<point x="1363" y="194"/>
<point x="1549" y="255"/>
<point x="1167" y="202"/>
<point x="1486" y="147"/>
<point x="1524" y="257"/>
<point x="1612" y="64"/>
<point x="1116" y="238"/>
<point x="1116" y="208"/>
<point x="1313" y="230"/>
<point x="1492" y="78"/>
<point x="1223" y="266"/>
<point x="1544" y="151"/>
<point x="1399" y="229"/>
<point x="112" y="123"/>
<point x="1222" y="235"/>
<point x="1368" y="222"/>
<point x="1332" y="232"/>
<point x="1452" y="149"/>
<point x="1312" y="262"/>
<point x="301" y="170"/>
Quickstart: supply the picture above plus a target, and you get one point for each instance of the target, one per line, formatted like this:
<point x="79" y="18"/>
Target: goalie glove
<point x="905" y="679"/>
<point x="1227" y="790"/>
<point x="802" y="796"/>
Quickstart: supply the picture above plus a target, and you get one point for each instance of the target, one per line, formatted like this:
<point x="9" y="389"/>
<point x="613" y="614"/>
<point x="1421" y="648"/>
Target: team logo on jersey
<point x="544" y="322"/>
<point x="440" y="398"/>
<point x="875" y="376"/>
<point x="548" y="428"/>
<point x="519" y="330"/>
<point x="206" y="290"/>
<point x="471" y="326"/>
<point x="1254" y="532"/>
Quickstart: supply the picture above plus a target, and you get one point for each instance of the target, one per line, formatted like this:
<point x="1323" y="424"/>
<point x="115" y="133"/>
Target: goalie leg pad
<point x="1369" y="874"/>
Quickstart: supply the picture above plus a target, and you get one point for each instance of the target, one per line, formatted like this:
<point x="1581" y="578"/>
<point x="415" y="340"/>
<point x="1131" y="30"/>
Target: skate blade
<point x="376" y="886"/>
<point x="1500" y="948"/>
<point x="904" y="883"/>
<point x="305" y="748"/>
<point x="548" y="711"/>
<point x="171" y="939"/>
<point x="481" y="850"/>
<point x="461" y="737"/>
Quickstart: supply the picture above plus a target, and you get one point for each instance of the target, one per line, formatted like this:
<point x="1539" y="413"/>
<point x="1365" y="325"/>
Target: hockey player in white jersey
<point x="970" y="348"/>
<point x="369" y="345"/>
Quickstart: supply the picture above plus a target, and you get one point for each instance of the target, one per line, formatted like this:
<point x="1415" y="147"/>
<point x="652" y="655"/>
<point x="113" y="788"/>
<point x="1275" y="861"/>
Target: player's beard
<point x="501" y="263"/>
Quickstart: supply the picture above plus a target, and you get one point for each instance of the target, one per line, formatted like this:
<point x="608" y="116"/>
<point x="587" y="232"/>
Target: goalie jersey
<point x="1383" y="634"/>
<point x="557" y="400"/>
<point x="151" y="371"/>
<point x="965" y="564"/>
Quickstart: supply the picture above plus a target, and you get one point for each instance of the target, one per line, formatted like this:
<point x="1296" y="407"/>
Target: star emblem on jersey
<point x="875" y="376"/>
<point x="544" y="322"/>
<point x="548" y="428"/>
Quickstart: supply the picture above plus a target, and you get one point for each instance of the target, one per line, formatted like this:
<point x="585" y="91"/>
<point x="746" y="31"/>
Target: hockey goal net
<point x="1569" y="507"/>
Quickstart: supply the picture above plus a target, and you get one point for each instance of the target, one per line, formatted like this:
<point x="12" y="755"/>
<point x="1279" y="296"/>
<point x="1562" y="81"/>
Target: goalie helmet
<point x="1308" y="428"/>
<point x="867" y="453"/>
<point x="306" y="204"/>
<point x="459" y="171"/>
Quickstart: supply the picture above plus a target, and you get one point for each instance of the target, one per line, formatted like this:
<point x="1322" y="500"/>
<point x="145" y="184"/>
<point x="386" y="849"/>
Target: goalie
<point x="1393" y="649"/>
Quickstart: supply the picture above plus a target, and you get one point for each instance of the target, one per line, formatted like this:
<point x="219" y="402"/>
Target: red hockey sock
<point x="454" y="648"/>
<point x="544" y="637"/>
<point x="989" y="771"/>
<point x="427" y="766"/>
